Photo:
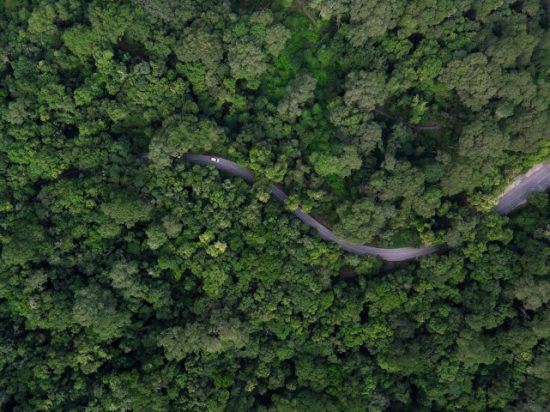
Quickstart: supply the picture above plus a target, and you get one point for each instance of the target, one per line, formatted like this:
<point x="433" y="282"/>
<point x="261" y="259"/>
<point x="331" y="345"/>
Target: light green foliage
<point x="126" y="209"/>
<point x="42" y="29"/>
<point x="361" y="221"/>
<point x="250" y="40"/>
<point x="365" y="90"/>
<point x="474" y="78"/>
<point x="247" y="61"/>
<point x="482" y="141"/>
<point x="200" y="46"/>
<point x="532" y="292"/>
<point x="222" y="336"/>
<point x="369" y="18"/>
<point x="23" y="245"/>
<point x="179" y="136"/>
<point x="156" y="237"/>
<point x="297" y="93"/>
<point x="337" y="165"/>
<point x="474" y="350"/>
<point x="95" y="309"/>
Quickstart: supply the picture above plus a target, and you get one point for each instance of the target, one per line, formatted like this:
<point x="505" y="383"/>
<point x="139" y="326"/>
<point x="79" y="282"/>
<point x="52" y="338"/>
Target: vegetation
<point x="154" y="285"/>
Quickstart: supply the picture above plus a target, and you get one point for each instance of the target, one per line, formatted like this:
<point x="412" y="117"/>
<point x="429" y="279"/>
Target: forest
<point x="133" y="280"/>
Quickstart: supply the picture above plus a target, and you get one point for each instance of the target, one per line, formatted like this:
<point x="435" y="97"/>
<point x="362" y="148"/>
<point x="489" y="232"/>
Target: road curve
<point x="535" y="180"/>
<point x="390" y="255"/>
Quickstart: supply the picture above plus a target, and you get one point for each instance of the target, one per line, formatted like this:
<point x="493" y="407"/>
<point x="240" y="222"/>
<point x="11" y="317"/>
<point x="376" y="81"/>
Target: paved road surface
<point x="536" y="180"/>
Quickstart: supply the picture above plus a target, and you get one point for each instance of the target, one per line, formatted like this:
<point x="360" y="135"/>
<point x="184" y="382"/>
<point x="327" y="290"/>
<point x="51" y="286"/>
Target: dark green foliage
<point x="142" y="283"/>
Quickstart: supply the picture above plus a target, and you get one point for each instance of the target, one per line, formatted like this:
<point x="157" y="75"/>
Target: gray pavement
<point x="536" y="180"/>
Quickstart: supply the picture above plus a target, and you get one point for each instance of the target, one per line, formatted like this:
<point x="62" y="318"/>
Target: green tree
<point x="96" y="309"/>
<point x="474" y="78"/>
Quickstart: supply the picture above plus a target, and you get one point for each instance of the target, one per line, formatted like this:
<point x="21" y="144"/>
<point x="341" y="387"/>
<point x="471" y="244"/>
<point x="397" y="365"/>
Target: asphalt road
<point x="536" y="180"/>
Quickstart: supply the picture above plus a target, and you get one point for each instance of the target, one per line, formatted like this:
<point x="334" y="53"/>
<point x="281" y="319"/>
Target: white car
<point x="215" y="159"/>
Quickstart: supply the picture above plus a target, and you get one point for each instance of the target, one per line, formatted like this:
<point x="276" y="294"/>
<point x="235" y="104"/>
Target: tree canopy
<point x="133" y="280"/>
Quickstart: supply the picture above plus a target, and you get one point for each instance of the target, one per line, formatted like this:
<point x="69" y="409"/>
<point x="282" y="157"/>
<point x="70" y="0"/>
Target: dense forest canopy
<point x="145" y="283"/>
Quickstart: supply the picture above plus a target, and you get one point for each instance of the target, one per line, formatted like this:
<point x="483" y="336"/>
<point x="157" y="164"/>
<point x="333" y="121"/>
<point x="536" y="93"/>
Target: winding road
<point x="535" y="180"/>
